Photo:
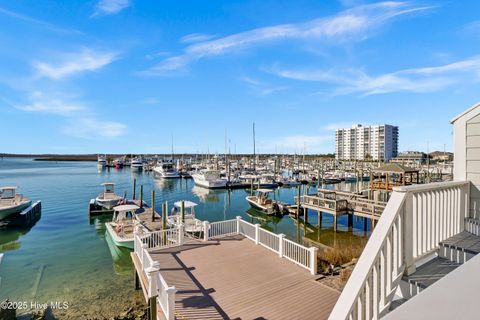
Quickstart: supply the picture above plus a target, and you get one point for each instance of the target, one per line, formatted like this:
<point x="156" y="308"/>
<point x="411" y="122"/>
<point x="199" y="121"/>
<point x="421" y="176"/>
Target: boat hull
<point x="118" y="241"/>
<point x="6" y="212"/>
<point x="107" y="203"/>
<point x="210" y="184"/>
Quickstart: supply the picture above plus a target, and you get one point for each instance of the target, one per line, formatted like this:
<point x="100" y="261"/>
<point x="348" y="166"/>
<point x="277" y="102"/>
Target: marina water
<point x="67" y="257"/>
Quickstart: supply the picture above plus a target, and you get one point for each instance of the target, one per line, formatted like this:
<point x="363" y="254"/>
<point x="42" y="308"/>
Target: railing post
<point x="238" y="224"/>
<point x="143" y="252"/>
<point x="206" y="227"/>
<point x="152" y="272"/>
<point x="280" y="245"/>
<point x="170" y="314"/>
<point x="313" y="260"/>
<point x="257" y="233"/>
<point x="408" y="234"/>
<point x="180" y="234"/>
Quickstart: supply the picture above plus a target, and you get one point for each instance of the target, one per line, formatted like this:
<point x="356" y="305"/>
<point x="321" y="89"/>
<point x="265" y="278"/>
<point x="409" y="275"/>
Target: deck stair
<point x="452" y="253"/>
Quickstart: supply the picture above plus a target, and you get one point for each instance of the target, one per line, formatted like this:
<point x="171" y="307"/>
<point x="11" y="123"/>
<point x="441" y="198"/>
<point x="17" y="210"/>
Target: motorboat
<point x="119" y="163"/>
<point x="188" y="219"/>
<point x="166" y="170"/>
<point x="11" y="202"/>
<point x="121" y="228"/>
<point x="102" y="161"/>
<point x="136" y="164"/>
<point x="210" y="179"/>
<point x="261" y="202"/>
<point x="108" y="199"/>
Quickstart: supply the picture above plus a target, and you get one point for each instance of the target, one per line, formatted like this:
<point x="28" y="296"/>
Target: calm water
<point x="67" y="257"/>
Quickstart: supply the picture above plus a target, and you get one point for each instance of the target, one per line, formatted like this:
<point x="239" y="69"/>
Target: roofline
<point x="465" y="112"/>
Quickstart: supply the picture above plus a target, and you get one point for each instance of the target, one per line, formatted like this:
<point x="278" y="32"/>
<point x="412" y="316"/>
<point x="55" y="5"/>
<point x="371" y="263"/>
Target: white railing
<point x="158" y="290"/>
<point x="294" y="252"/>
<point x="297" y="253"/>
<point x="165" y="296"/>
<point x="222" y="228"/>
<point x="269" y="240"/>
<point x="415" y="220"/>
<point x="247" y="229"/>
<point x="163" y="238"/>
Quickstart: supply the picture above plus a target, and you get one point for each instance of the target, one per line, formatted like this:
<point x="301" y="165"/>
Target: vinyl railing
<point x="269" y="240"/>
<point x="413" y="223"/>
<point x="163" y="238"/>
<point x="158" y="290"/>
<point x="221" y="228"/>
<point x="294" y="252"/>
<point x="297" y="253"/>
<point x="247" y="229"/>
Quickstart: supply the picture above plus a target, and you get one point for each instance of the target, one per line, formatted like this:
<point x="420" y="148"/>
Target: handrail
<point x="413" y="223"/>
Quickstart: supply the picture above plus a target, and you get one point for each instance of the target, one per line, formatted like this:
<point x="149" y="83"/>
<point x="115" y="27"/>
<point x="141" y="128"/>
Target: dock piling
<point x="141" y="196"/>
<point x="153" y="205"/>
<point x="134" y="188"/>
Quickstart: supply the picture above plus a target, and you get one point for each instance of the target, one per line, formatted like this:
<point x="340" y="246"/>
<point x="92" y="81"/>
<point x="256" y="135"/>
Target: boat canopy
<point x="126" y="207"/>
<point x="264" y="190"/>
<point x="7" y="192"/>
<point x="187" y="204"/>
<point x="109" y="186"/>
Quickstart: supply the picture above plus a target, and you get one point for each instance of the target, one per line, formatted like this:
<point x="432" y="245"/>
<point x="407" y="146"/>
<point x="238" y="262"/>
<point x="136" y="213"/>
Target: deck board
<point x="233" y="278"/>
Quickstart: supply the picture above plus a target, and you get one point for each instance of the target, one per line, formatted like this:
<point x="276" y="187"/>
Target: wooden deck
<point x="233" y="278"/>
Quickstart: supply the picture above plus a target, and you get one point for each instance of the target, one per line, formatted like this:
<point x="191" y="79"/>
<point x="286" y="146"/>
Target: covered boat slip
<point x="232" y="278"/>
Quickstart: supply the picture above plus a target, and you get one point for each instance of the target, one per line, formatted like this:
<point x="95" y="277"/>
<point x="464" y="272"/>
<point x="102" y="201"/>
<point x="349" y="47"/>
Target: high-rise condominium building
<point x="378" y="143"/>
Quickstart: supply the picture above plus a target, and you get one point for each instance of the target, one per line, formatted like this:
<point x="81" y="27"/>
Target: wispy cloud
<point x="81" y="121"/>
<point x="419" y="80"/>
<point x="107" y="7"/>
<point x="37" y="22"/>
<point x="91" y="128"/>
<point x="260" y="88"/>
<point x="352" y="24"/>
<point x="196" y="37"/>
<point x="73" y="63"/>
<point x="40" y="102"/>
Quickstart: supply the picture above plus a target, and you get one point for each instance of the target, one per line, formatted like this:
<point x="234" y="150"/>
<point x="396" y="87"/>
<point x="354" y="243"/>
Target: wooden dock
<point x="339" y="203"/>
<point x="232" y="278"/>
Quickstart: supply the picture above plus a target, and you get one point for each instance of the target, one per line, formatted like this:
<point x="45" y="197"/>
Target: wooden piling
<point x="183" y="211"/>
<point x="153" y="205"/>
<point x="164" y="215"/>
<point x="134" y="188"/>
<point x="141" y="196"/>
<point x="298" y="201"/>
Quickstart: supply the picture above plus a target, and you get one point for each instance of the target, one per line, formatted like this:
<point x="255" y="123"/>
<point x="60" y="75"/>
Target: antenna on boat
<point x="254" y="156"/>
<point x="172" y="146"/>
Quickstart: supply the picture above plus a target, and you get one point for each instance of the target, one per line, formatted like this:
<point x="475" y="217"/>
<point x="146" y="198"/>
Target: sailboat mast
<point x="254" y="155"/>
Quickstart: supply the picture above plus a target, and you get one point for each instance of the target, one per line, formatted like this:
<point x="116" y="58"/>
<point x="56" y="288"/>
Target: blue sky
<point x="125" y="75"/>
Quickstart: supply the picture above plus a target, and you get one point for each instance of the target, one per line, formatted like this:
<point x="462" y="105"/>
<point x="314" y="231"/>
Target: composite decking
<point x="232" y="278"/>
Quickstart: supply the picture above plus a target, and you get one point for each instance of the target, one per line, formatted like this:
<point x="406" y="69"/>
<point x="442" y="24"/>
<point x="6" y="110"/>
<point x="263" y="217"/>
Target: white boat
<point x="122" y="226"/>
<point x="102" y="161"/>
<point x="261" y="202"/>
<point x="108" y="199"/>
<point x="209" y="179"/>
<point x="11" y="202"/>
<point x="190" y="223"/>
<point x="136" y="164"/>
<point x="166" y="170"/>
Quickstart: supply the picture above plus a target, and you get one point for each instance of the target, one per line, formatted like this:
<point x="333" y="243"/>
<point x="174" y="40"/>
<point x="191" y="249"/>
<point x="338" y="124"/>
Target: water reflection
<point x="14" y="228"/>
<point x="122" y="262"/>
<point x="206" y="195"/>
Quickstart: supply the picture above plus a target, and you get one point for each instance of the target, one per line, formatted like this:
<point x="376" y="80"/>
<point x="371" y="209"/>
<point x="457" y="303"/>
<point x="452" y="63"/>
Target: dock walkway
<point x="232" y="278"/>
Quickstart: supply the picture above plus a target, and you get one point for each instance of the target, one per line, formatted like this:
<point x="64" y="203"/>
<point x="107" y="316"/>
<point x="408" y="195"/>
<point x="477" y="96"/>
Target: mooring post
<point x="298" y="201"/>
<point x="164" y="215"/>
<point x="335" y="222"/>
<point x="183" y="211"/>
<point x="134" y="188"/>
<point x="141" y="196"/>
<point x="153" y="205"/>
